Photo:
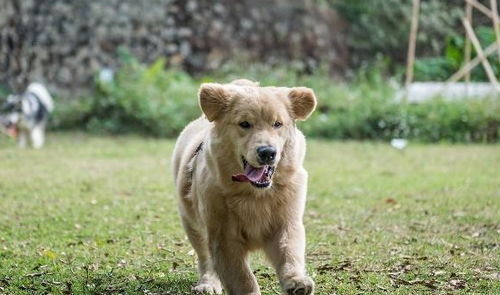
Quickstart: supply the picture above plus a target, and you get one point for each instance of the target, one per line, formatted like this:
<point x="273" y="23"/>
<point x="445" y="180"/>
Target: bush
<point x="158" y="102"/>
<point x="140" y="99"/>
<point x="366" y="110"/>
<point x="472" y="120"/>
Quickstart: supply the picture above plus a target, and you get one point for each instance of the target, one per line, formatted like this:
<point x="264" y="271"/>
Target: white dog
<point x="26" y="115"/>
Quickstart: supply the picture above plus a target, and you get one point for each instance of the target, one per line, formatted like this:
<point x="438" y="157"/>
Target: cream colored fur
<point x="225" y="220"/>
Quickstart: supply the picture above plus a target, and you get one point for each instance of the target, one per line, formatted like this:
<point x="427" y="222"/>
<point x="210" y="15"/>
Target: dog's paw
<point x="208" y="288"/>
<point x="299" y="286"/>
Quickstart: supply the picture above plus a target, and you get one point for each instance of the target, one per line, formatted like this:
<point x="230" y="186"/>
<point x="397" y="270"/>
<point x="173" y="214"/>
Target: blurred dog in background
<point x="25" y="116"/>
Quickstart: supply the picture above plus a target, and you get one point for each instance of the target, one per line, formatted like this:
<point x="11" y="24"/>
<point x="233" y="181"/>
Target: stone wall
<point x="64" y="43"/>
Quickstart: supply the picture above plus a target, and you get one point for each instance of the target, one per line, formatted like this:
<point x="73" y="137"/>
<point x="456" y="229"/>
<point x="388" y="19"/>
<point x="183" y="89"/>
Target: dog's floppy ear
<point x="303" y="102"/>
<point x="214" y="99"/>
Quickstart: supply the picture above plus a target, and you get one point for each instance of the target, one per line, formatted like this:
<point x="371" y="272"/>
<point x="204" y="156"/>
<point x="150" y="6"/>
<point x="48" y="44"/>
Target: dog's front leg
<point x="37" y="137"/>
<point x="230" y="261"/>
<point x="286" y="252"/>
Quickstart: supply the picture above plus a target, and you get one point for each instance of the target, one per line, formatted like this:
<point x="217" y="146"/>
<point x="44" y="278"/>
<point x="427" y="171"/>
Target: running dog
<point x="25" y="115"/>
<point x="242" y="186"/>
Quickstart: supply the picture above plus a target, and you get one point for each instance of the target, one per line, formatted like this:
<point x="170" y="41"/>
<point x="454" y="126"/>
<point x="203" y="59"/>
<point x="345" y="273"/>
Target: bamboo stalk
<point x="412" y="43"/>
<point x="494" y="11"/>
<point x="480" y="53"/>
<point x="466" y="68"/>
<point x="467" y="50"/>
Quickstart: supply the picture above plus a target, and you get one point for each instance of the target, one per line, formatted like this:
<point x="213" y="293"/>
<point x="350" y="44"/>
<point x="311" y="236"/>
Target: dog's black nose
<point x="266" y="154"/>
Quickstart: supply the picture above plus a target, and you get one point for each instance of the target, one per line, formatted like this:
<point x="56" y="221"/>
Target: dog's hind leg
<point x="209" y="281"/>
<point x="37" y="137"/>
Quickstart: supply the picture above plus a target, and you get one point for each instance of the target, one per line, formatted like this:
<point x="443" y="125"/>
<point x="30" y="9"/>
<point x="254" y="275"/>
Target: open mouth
<point x="9" y="129"/>
<point x="12" y="131"/>
<point x="260" y="177"/>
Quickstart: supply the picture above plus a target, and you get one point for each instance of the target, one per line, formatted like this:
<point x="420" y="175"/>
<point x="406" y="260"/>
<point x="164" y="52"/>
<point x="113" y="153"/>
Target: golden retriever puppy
<point x="242" y="185"/>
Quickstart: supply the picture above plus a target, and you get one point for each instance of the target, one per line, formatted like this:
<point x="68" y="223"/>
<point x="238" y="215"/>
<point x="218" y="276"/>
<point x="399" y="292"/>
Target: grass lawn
<point x="98" y="215"/>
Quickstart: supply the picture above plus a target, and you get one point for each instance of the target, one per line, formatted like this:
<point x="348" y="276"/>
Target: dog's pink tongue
<point x="251" y="174"/>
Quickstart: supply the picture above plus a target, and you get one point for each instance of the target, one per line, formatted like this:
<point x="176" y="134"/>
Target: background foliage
<point x="159" y="97"/>
<point x="159" y="102"/>
<point x="381" y="27"/>
<point x="142" y="99"/>
<point x="440" y="68"/>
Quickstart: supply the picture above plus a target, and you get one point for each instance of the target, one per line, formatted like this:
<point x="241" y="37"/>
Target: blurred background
<point x="124" y="66"/>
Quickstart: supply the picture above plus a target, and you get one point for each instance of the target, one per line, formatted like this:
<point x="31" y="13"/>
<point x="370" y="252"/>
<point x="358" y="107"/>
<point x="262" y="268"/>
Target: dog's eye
<point x="277" y="124"/>
<point x="245" y="125"/>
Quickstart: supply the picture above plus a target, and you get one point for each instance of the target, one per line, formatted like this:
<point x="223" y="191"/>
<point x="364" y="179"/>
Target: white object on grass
<point x="399" y="143"/>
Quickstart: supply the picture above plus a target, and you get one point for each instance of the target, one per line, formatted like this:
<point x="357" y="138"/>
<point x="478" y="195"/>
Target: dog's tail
<point x="41" y="92"/>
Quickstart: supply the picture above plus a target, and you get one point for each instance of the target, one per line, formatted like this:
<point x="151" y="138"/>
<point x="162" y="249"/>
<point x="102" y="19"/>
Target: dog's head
<point x="11" y="110"/>
<point x="255" y="123"/>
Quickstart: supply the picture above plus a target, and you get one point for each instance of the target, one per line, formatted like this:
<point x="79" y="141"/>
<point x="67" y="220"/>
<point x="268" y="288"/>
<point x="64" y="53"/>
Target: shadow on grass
<point x="170" y="286"/>
<point x="174" y="283"/>
<point x="91" y="282"/>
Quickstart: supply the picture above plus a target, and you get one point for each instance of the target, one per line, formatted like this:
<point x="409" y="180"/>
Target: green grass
<point x="98" y="215"/>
